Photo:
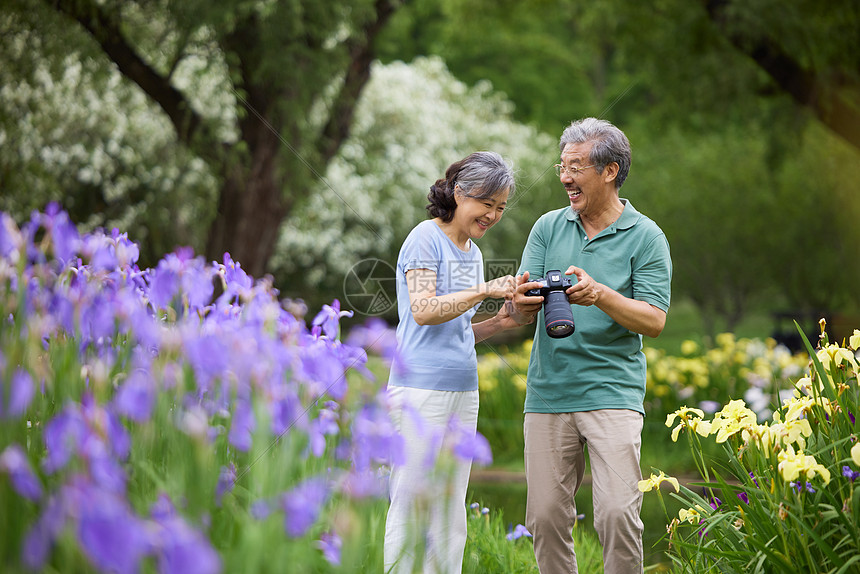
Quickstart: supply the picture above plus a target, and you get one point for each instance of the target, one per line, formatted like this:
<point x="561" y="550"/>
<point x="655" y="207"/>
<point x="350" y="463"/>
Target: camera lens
<point x="557" y="315"/>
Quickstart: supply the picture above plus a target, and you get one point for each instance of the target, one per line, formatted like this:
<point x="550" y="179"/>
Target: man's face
<point x="583" y="184"/>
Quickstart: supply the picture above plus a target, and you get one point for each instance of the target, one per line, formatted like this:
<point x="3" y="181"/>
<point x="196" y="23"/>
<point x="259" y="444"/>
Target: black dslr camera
<point x="556" y="308"/>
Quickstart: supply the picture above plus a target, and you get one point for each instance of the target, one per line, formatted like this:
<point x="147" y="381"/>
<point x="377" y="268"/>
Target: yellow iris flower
<point x="854" y="340"/>
<point x="792" y="465"/>
<point x="834" y="355"/>
<point x="691" y="515"/>
<point x="654" y="482"/>
<point x="688" y="417"/>
<point x="734" y="417"/>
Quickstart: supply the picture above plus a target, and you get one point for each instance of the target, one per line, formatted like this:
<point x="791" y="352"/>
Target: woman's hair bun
<point x="442" y="203"/>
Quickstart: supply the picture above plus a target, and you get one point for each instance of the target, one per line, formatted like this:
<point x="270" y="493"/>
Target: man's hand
<point x="586" y="291"/>
<point x="524" y="308"/>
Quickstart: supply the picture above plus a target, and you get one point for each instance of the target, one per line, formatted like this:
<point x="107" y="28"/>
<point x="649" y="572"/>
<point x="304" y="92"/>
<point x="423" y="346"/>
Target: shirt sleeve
<point x="534" y="253"/>
<point x="420" y="252"/>
<point x="652" y="274"/>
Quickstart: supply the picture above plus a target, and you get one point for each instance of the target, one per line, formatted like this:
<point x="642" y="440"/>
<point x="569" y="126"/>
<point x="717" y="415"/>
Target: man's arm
<point x="637" y="316"/>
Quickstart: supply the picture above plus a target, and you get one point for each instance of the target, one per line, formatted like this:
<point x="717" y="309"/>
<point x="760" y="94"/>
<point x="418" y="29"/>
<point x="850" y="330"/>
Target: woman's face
<point x="475" y="216"/>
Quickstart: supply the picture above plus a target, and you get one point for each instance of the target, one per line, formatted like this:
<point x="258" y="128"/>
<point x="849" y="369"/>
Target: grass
<point x="489" y="550"/>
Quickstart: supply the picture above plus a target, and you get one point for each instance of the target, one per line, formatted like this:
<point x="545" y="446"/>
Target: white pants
<point x="427" y="513"/>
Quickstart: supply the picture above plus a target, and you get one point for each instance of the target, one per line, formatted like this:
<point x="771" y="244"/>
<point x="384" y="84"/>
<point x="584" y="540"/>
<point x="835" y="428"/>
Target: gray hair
<point x="483" y="174"/>
<point x="480" y="175"/>
<point x="609" y="144"/>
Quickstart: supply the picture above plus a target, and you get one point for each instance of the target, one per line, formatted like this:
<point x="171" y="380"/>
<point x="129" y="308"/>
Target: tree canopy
<point x="288" y="75"/>
<point x="243" y="126"/>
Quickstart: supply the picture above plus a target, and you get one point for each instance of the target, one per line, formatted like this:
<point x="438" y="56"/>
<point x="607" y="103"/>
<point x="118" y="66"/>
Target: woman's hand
<point x="501" y="287"/>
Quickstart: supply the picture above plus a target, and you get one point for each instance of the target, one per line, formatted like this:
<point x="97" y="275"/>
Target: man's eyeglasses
<point x="572" y="170"/>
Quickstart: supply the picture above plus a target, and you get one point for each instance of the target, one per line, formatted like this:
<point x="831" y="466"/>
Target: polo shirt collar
<point x="628" y="218"/>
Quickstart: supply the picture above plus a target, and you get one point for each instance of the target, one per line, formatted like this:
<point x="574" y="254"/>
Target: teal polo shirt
<point x="601" y="365"/>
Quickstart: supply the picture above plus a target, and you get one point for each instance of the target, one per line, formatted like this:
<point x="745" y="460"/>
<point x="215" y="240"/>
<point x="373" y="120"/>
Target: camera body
<point x="558" y="317"/>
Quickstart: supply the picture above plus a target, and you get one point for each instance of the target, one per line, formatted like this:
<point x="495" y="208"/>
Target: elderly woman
<point x="440" y="284"/>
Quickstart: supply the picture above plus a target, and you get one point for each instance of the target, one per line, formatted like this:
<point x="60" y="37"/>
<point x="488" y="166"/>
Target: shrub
<point x="782" y="497"/>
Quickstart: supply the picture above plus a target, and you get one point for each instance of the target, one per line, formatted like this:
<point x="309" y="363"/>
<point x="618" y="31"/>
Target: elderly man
<point x="588" y="388"/>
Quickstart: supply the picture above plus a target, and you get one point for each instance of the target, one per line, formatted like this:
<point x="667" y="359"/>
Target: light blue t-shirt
<point x="437" y="357"/>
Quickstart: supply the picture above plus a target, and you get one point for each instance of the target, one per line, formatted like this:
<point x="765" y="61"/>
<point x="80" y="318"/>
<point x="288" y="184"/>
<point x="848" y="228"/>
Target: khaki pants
<point x="555" y="463"/>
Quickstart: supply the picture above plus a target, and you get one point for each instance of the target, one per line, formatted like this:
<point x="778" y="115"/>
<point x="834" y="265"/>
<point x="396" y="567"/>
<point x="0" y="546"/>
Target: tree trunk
<point x="251" y="207"/>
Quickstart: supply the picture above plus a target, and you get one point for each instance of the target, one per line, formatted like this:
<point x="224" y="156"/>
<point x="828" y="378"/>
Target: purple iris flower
<point x="41" y="536"/>
<point x="800" y="487"/>
<point x="14" y="462"/>
<point x="235" y="277"/>
<point x="518" y="532"/>
<point x="850" y="474"/>
<point x="64" y="235"/>
<point x="329" y="319"/>
<point x="261" y="509"/>
<point x="469" y="445"/>
<point x="243" y="426"/>
<point x="197" y="283"/>
<point x="743" y="496"/>
<point x="97" y="319"/>
<point x="162" y="509"/>
<point x="375" y="438"/>
<point x="709" y="407"/>
<point x="376" y="336"/>
<point x="302" y="506"/>
<point x="287" y="412"/>
<point x="363" y="483"/>
<point x="164" y="286"/>
<point x="330" y="544"/>
<point x="20" y="394"/>
<point x="324" y="425"/>
<point x="226" y="481"/>
<point x="135" y="398"/>
<point x="118" y="438"/>
<point x="104" y="469"/>
<point x="139" y="321"/>
<point x="63" y="311"/>
<point x="322" y="369"/>
<point x="474" y="447"/>
<point x="111" y="536"/>
<point x="354" y="358"/>
<point x="182" y="549"/>
<point x="208" y="355"/>
<point x="127" y="251"/>
<point x="100" y="251"/>
<point x="10" y="237"/>
<point x="95" y="435"/>
<point x="63" y="436"/>
<point x="97" y="417"/>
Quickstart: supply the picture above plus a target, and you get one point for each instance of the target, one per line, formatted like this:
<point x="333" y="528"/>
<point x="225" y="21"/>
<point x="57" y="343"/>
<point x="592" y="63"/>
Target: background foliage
<point x="742" y="117"/>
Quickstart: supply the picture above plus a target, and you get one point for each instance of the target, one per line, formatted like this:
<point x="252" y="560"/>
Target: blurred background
<point x="302" y="136"/>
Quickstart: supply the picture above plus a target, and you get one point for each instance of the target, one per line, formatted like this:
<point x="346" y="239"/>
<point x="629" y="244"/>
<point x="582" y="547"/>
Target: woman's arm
<point x="431" y="309"/>
<point x="504" y="319"/>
